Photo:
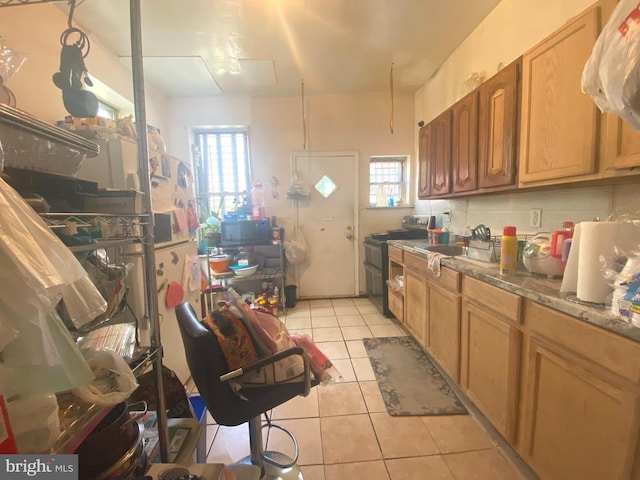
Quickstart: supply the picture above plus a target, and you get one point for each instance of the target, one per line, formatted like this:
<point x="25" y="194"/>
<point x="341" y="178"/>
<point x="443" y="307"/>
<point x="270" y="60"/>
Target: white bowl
<point x="244" y="271"/>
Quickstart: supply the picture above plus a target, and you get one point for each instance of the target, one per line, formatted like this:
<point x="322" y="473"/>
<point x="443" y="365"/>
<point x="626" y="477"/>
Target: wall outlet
<point x="535" y="218"/>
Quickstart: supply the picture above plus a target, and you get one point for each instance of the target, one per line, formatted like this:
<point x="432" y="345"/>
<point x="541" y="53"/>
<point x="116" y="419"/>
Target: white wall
<point x="334" y="123"/>
<point x="511" y="29"/>
<point x="35" y="31"/>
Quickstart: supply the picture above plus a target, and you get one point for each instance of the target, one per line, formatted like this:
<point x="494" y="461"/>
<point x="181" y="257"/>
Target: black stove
<point x="376" y="262"/>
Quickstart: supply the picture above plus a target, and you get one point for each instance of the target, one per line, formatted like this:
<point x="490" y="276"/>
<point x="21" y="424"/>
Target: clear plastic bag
<point x="296" y="250"/>
<point x="611" y="75"/>
<point x="298" y="189"/>
<point x="10" y="61"/>
<point x="396" y="284"/>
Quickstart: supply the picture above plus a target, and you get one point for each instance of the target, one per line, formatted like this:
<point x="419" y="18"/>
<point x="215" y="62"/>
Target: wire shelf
<point x="16" y="3"/>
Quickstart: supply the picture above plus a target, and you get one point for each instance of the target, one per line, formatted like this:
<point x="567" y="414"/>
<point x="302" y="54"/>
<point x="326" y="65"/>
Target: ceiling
<point x="267" y="47"/>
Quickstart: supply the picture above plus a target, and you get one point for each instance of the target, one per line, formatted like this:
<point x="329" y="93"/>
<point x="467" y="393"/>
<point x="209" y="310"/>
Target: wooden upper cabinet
<point x="498" y="128"/>
<point x="424" y="170"/>
<point x="464" y="144"/>
<point x="559" y="124"/>
<point x="440" y="154"/>
<point x="622" y="145"/>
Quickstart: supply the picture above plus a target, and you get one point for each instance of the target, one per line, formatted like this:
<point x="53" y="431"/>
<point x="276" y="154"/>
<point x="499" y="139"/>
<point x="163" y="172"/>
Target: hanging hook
<point x="391" y="88"/>
<point x="304" y="119"/>
<point x="71" y="10"/>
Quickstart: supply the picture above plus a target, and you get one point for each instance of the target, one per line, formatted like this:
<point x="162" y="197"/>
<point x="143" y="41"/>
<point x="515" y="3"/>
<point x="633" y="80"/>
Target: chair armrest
<point x="257" y="365"/>
<point x="263" y="362"/>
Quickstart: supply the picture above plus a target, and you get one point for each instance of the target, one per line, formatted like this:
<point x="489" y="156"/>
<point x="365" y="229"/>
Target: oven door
<point x="373" y="253"/>
<point x="375" y="286"/>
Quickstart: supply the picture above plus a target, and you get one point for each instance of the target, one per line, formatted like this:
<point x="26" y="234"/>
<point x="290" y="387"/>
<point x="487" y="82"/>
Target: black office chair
<point x="211" y="375"/>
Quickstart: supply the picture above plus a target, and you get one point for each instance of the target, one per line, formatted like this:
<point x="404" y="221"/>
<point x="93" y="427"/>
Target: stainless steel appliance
<point x="376" y="254"/>
<point x="246" y="232"/>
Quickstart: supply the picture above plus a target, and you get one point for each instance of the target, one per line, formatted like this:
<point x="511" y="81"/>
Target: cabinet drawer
<point x="449" y="279"/>
<point x="396" y="304"/>
<point x="396" y="254"/>
<point x="613" y="352"/>
<point x="496" y="299"/>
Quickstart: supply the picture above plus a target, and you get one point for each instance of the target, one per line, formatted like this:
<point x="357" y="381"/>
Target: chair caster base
<point x="272" y="472"/>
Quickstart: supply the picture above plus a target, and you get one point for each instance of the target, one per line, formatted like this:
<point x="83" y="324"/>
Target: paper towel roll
<point x="596" y="239"/>
<point x="570" y="277"/>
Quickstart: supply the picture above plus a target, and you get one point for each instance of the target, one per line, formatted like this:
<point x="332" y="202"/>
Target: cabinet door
<point x="464" y="144"/>
<point x="444" y="329"/>
<point x="395" y="298"/>
<point x="559" y="124"/>
<point x="579" y="424"/>
<point x="498" y="128"/>
<point x="624" y="145"/>
<point x="440" y="158"/>
<point x="424" y="166"/>
<point x="416" y="301"/>
<point x="490" y="365"/>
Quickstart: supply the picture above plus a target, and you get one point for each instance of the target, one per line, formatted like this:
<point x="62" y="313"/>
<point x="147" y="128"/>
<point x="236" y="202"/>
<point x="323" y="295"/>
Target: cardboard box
<point x="121" y="202"/>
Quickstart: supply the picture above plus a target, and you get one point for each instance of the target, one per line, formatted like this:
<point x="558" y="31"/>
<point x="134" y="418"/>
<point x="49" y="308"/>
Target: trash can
<point x="290" y="296"/>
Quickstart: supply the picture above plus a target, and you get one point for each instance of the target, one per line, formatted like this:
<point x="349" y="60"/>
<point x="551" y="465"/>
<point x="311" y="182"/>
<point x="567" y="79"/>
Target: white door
<point x="328" y="221"/>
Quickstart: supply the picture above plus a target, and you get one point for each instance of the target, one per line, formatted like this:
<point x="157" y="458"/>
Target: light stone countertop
<point x="545" y="291"/>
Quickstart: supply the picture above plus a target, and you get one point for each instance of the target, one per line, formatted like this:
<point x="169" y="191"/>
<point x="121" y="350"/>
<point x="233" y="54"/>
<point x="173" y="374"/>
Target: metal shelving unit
<point x="78" y="418"/>
<point x="275" y="273"/>
<point x="145" y="187"/>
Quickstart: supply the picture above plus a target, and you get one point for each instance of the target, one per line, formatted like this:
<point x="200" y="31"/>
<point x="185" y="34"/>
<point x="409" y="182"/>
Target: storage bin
<point x="120" y="202"/>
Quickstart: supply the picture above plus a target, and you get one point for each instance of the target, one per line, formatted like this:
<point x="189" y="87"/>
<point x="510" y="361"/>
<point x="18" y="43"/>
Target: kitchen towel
<point x="592" y="243"/>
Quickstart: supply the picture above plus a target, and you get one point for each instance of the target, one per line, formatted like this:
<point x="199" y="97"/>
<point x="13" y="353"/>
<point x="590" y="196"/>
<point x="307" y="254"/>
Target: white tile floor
<point x="343" y="428"/>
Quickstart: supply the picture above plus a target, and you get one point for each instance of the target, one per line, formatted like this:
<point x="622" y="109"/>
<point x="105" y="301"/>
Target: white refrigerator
<point x="176" y="257"/>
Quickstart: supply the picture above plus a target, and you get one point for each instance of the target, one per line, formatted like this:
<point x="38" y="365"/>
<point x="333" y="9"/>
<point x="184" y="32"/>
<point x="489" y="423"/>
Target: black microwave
<point x="245" y="232"/>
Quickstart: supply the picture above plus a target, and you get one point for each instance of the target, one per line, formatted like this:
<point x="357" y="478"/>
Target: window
<point x="222" y="169"/>
<point x="386" y="180"/>
<point x="107" y="111"/>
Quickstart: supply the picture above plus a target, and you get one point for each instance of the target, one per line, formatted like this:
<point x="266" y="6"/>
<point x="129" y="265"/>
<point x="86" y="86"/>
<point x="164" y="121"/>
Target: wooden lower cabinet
<point x="443" y="324"/>
<point x="416" y="301"/>
<point x="395" y="299"/>
<point x="578" y="424"/>
<point x="490" y="358"/>
<point x="490" y="366"/>
<point x="580" y="414"/>
<point x="564" y="393"/>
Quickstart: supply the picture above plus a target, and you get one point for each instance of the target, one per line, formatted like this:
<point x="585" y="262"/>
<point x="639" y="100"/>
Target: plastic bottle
<point x="381" y="197"/>
<point x="509" y="251"/>
<point x="275" y="301"/>
<point x="257" y="201"/>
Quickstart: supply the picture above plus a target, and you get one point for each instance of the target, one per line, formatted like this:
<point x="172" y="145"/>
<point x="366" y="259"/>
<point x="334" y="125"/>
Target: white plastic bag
<point x="34" y="421"/>
<point x="612" y="73"/>
<point x="114" y="383"/>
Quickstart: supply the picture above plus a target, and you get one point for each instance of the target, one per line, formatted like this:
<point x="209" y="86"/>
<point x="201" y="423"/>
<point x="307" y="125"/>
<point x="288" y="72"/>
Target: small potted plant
<point x="210" y="230"/>
<point x="210" y="235"/>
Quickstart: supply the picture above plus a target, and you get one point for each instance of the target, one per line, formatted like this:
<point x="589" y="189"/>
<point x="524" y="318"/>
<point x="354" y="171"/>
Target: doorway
<point x="328" y="221"/>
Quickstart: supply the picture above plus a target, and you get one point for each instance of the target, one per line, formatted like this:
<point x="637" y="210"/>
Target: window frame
<point x="106" y="107"/>
<point x="220" y="201"/>
<point x="401" y="184"/>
